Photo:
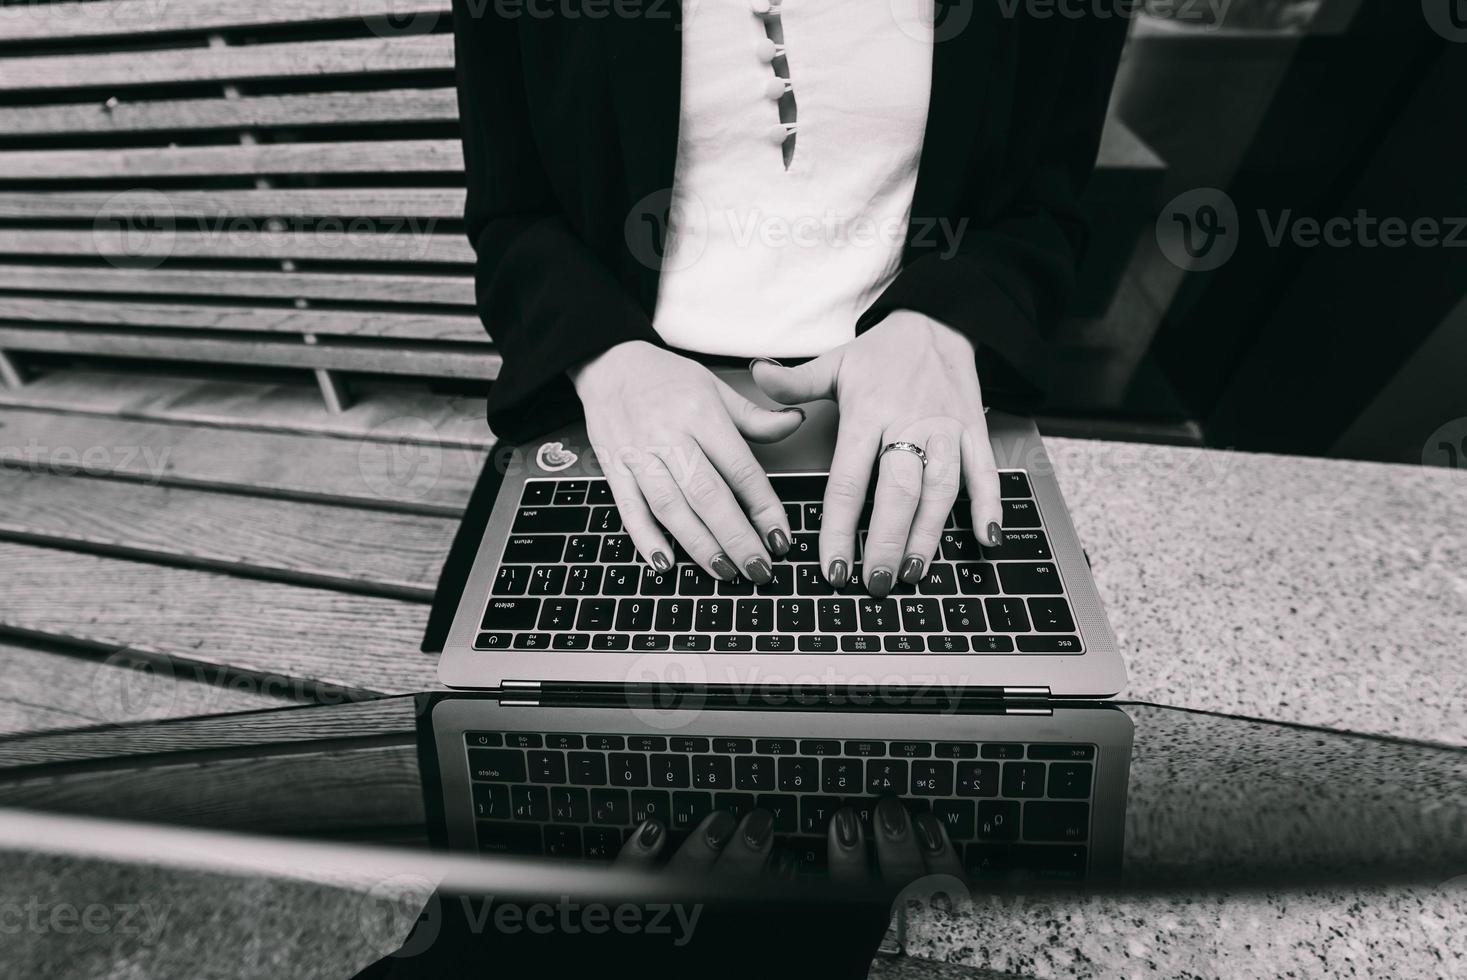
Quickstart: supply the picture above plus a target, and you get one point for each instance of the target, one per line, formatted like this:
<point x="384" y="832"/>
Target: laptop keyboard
<point x="569" y="579"/>
<point x="1007" y="806"/>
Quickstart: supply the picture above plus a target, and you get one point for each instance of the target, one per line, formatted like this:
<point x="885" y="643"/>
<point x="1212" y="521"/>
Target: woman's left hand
<point x="907" y="379"/>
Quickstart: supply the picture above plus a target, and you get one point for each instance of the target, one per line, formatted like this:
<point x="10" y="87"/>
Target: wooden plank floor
<point x="164" y="554"/>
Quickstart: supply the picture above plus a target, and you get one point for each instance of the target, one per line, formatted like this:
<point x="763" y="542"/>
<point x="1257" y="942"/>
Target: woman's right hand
<point x="670" y="438"/>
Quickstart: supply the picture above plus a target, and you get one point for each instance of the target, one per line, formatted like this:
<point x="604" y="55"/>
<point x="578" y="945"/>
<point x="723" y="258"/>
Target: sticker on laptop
<point x="554" y="456"/>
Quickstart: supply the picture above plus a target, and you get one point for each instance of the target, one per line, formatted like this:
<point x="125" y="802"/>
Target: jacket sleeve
<point x="1008" y="279"/>
<point x="546" y="300"/>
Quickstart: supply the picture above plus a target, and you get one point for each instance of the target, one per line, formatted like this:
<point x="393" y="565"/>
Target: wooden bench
<point x="241" y="375"/>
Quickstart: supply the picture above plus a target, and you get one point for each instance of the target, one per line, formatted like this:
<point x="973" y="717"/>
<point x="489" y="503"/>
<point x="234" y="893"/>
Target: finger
<point x="750" y="486"/>
<point x="755" y="422"/>
<point x="642" y="848"/>
<point x="937" y="847"/>
<point x="845" y="498"/>
<point x="897" y="853"/>
<point x="747" y="855"/>
<point x="941" y="479"/>
<point x="636" y="516"/>
<point x="671" y="509"/>
<point x="980" y="473"/>
<point x="898" y="489"/>
<point x="806" y="382"/>
<point x="846" y="848"/>
<point x="704" y="490"/>
<point x="700" y="852"/>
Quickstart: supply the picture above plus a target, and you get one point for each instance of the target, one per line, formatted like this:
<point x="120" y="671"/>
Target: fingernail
<point x="892" y="817"/>
<point x="929" y="833"/>
<point x="724" y="567"/>
<point x="650" y="833"/>
<point x="764" y="360"/>
<point x="720" y="829"/>
<point x="795" y="411"/>
<point x="758" y="571"/>
<point x="661" y="562"/>
<point x="995" y="534"/>
<point x="847" y="829"/>
<point x="779" y="542"/>
<point x="838" y="575"/>
<point x="759" y="828"/>
<point x="912" y="570"/>
<point x="879" y="583"/>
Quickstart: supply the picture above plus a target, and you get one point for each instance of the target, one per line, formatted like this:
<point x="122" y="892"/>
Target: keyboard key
<point x="1023" y="779"/>
<point x="596" y="614"/>
<point x="886" y="777"/>
<point x="569" y="805"/>
<point x="810" y="581"/>
<point x="753" y="773"/>
<point x="551" y="520"/>
<point x="792" y="514"/>
<point x="1006" y="615"/>
<point x="674" y="615"/>
<point x="511" y="580"/>
<point x="658" y="583"/>
<point x="491" y="802"/>
<point x="795" y="615"/>
<point x="774" y="643"/>
<point x="811" y="516"/>
<point x="647" y="743"/>
<point x="860" y="643"/>
<point x="558" y="614"/>
<point x="587" y="768"/>
<point x="798" y="488"/>
<point x="1062" y="753"/>
<point x="785" y="810"/>
<point x="547" y="580"/>
<point x="910" y="750"/>
<point x="691" y="643"/>
<point x="998" y="820"/>
<point x="959" y="546"/>
<point x="836" y="615"/>
<point x="1070" y="780"/>
<point x="977" y="578"/>
<point x="498" y="837"/>
<point x="627" y="769"/>
<point x="818" y="643"/>
<point x="532" y="641"/>
<point x="610" y="806"/>
<point x="1020" y="513"/>
<point x="934" y="778"/>
<point x="1066" y="823"/>
<point x="651" y="642"/>
<point x="599" y="492"/>
<point x="713" y="615"/>
<point x="754" y="615"/>
<point x="947" y="643"/>
<point x="879" y="615"/>
<point x="670" y="772"/>
<point x="1026" y="578"/>
<point x="582" y="547"/>
<point x="1049" y="643"/>
<point x="733" y="644"/>
<point x="903" y="643"/>
<point x="524" y="740"/>
<point x="604" y="520"/>
<point x="529" y="803"/>
<point x="1014" y="484"/>
<point x="736" y="587"/>
<point x="537" y="493"/>
<point x="920" y="615"/>
<point x="571" y="641"/>
<point x="633" y="615"/>
<point x="804" y="548"/>
<point x="1003" y="750"/>
<point x="776" y="746"/>
<point x="511" y="614"/>
<point x="606" y="743"/>
<point x="689" y="809"/>
<point x="648" y="804"/>
<point x="941" y="579"/>
<point x="798" y="774"/>
<point x="494" y="641"/>
<point x="733" y="745"/>
<point x="528" y="549"/>
<point x="560" y="740"/>
<point x="734" y="804"/>
<point x="810" y="854"/>
<point x="815" y="814"/>
<point x="496" y="765"/>
<point x="622" y="580"/>
<point x="865" y="749"/>
<point x="956" y="750"/>
<point x="610" y="641"/>
<point x="569" y="492"/>
<point x="781" y="582"/>
<point x="562" y="842"/>
<point x="617" y="548"/>
<point x="584" y="580"/>
<point x="490" y="740"/>
<point x="546" y="767"/>
<point x="692" y="580"/>
<point x="992" y="644"/>
<point x="601" y="843"/>
<point x="841" y="775"/>
<point x="1020" y="546"/>
<point x="712" y="772"/>
<point x="958" y="818"/>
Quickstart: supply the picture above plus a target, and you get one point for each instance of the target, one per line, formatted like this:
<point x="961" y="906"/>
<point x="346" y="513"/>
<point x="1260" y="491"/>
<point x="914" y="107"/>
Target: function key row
<point x="807" y="518"/>
<point x="736" y="745"/>
<point x="987" y="643"/>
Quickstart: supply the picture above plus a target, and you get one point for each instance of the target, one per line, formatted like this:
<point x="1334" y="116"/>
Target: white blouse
<point x="764" y="260"/>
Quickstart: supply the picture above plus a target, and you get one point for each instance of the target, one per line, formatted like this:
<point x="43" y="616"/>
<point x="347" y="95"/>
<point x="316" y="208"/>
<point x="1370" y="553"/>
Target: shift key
<point x="511" y="614"/>
<point x="497" y="765"/>
<point x="551" y="520"/>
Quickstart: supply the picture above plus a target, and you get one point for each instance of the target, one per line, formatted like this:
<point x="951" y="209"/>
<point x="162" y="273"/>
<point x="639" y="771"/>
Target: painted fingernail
<point x="892" y="817"/>
<point x="650" y="833"/>
<point x="847" y="830"/>
<point x="720" y="829"/>
<point x="758" y="828"/>
<point x="724" y="567"/>
<point x="779" y="542"/>
<point x="764" y="360"/>
<point x="995" y="534"/>
<point x="838" y="575"/>
<point x="879" y="583"/>
<point x="929" y="834"/>
<point x="758" y="571"/>
<point x="661" y="562"/>
<point x="912" y="570"/>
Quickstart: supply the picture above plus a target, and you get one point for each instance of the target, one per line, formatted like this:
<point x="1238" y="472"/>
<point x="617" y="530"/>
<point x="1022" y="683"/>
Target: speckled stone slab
<point x="1324" y="592"/>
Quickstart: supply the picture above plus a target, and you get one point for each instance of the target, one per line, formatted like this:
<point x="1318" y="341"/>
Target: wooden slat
<point x="217" y="731"/>
<point x="310" y="59"/>
<point x="449" y="327"/>
<point x="376" y="287"/>
<point x="132" y="18"/>
<point x="305" y="637"/>
<point x="41" y="689"/>
<point x="415" y="105"/>
<point x="381" y="412"/>
<point x="319" y="792"/>
<point x="360" y="157"/>
<point x="355" y="202"/>
<point x="373" y="551"/>
<point x="409" y="244"/>
<point x="396" y="359"/>
<point x="392" y="475"/>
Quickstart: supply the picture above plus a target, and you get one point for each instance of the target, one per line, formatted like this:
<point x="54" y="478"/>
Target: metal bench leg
<point x="10" y="375"/>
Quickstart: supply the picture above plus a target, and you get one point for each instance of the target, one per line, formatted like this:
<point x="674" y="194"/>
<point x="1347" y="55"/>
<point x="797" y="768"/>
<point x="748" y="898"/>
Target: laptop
<point x="558" y="601"/>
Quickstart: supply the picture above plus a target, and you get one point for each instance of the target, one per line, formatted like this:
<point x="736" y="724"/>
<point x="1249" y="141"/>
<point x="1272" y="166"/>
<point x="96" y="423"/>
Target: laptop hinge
<point x="1027" y="693"/>
<point x="520" y="685"/>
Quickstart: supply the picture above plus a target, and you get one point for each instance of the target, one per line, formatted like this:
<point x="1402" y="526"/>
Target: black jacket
<point x="570" y="136"/>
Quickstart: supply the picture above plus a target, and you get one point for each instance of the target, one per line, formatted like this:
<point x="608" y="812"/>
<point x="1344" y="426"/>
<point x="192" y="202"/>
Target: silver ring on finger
<point x="906" y="447"/>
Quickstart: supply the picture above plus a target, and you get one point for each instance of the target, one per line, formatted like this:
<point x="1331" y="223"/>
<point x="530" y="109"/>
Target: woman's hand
<point x="907" y="379"/>
<point x="671" y="439"/>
